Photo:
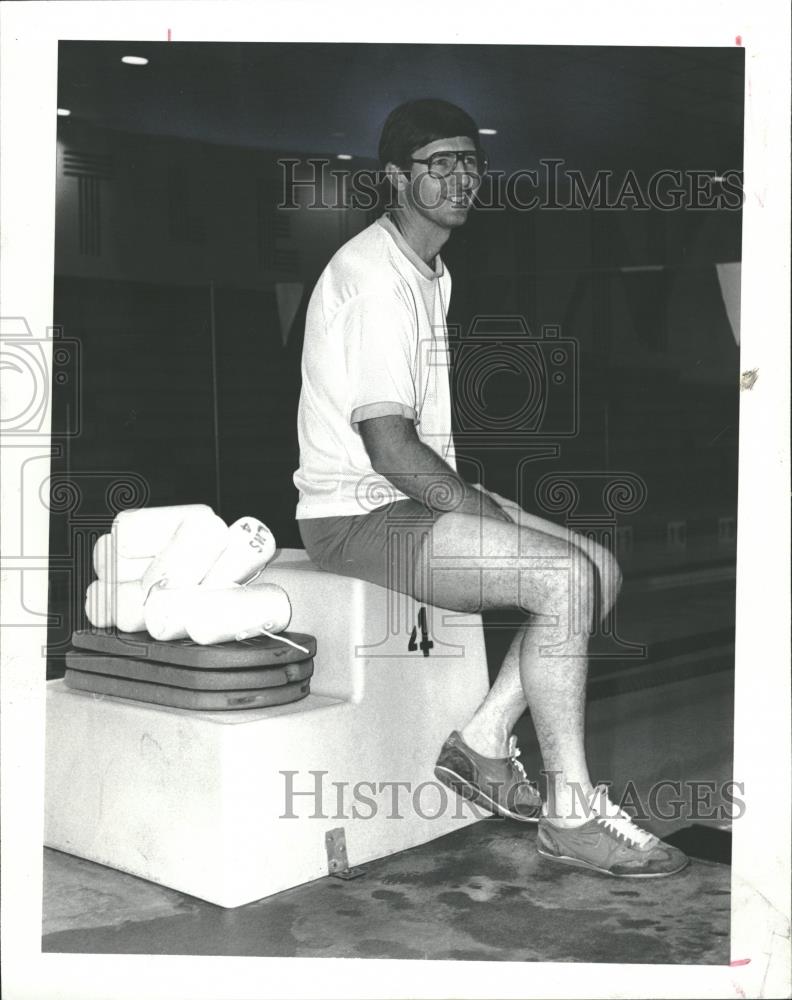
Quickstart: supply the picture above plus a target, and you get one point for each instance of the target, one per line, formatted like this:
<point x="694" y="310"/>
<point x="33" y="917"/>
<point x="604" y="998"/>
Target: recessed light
<point x="343" y="156"/>
<point x="134" y="60"/>
<point x="488" y="131"/>
<point x="63" y="112"/>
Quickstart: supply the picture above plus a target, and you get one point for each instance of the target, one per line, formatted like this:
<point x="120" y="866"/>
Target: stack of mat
<point x="251" y="673"/>
<point x="172" y="581"/>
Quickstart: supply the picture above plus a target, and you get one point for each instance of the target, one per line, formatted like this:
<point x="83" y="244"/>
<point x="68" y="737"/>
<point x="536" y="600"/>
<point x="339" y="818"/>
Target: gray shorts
<point x="382" y="547"/>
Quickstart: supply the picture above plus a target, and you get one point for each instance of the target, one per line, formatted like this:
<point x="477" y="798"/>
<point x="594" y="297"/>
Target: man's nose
<point x="463" y="178"/>
<point x="459" y="171"/>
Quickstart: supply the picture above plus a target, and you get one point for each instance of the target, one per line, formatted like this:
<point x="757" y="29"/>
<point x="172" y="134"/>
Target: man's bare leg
<point x="489" y="730"/>
<point x="525" y="568"/>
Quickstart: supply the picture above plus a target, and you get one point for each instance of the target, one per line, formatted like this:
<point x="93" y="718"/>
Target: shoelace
<point x="160" y="584"/>
<point x="516" y="763"/>
<point x="617" y="820"/>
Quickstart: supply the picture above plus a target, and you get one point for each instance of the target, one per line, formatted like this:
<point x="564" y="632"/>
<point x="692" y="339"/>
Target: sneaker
<point x="609" y="843"/>
<point x="500" y="784"/>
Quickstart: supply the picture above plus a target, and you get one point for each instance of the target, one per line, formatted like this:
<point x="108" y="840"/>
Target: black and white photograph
<point x="393" y="472"/>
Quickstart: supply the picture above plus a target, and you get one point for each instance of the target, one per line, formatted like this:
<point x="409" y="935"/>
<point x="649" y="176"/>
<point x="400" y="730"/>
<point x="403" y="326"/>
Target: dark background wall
<point x="172" y="258"/>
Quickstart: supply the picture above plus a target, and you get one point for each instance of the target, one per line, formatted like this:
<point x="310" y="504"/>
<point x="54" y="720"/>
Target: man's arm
<point x="396" y="453"/>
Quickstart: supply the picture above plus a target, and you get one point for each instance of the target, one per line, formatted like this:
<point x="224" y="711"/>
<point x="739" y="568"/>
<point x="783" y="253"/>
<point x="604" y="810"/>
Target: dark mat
<point x="188" y="677"/>
<point x="705" y="842"/>
<point x="259" y="651"/>
<point x="173" y="697"/>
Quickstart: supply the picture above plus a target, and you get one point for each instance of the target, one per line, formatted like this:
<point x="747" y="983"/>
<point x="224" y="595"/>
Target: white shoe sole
<point x="472" y="793"/>
<point x="565" y="859"/>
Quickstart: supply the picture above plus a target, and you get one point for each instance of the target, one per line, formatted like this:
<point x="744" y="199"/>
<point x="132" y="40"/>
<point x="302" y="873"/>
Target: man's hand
<point x="508" y="509"/>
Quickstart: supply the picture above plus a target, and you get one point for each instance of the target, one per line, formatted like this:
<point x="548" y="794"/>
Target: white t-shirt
<point x="375" y="344"/>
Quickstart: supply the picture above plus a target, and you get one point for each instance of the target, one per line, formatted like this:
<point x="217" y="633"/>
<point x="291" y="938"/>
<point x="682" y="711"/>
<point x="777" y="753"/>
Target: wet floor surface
<point x="482" y="893"/>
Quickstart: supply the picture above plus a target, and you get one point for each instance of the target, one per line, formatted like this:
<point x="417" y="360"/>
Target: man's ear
<point x="396" y="176"/>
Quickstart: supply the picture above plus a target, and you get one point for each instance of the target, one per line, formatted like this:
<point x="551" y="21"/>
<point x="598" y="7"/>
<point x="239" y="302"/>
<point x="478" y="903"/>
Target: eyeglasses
<point x="444" y="162"/>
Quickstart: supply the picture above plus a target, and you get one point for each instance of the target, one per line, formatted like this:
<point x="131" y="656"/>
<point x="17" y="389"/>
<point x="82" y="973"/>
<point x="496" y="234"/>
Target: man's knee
<point x="617" y="575"/>
<point x="577" y="580"/>
<point x="608" y="568"/>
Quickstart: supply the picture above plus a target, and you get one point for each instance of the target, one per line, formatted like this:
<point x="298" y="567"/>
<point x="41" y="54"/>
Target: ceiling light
<point x="488" y="131"/>
<point x="134" y="60"/>
<point x="343" y="156"/>
<point x="63" y="112"/>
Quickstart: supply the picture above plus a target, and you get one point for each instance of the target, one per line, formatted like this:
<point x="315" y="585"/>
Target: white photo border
<point x="761" y="863"/>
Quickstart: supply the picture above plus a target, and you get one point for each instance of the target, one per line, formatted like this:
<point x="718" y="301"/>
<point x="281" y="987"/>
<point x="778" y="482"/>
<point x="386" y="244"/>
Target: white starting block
<point x="235" y="806"/>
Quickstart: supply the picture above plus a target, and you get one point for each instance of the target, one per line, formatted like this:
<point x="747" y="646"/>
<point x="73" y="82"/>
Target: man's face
<point x="445" y="201"/>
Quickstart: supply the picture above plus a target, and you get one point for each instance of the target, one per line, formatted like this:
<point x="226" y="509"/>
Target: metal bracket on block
<point x="337" y="860"/>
